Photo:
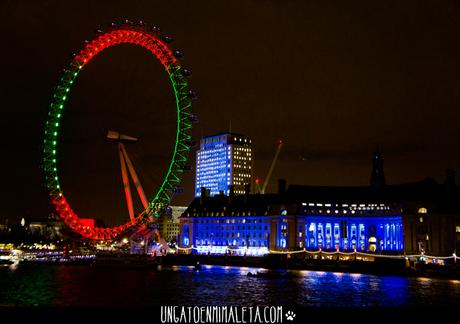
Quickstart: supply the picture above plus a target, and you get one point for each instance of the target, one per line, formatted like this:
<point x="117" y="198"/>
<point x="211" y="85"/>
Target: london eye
<point x="149" y="38"/>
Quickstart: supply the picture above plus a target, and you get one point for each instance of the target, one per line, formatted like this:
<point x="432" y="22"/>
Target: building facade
<point x="168" y="223"/>
<point x="260" y="224"/>
<point x="431" y="229"/>
<point x="413" y="218"/>
<point x="371" y="231"/>
<point x="224" y="161"/>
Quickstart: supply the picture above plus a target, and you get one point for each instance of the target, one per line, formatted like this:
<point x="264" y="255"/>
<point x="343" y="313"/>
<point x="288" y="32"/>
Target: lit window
<point x="422" y="210"/>
<point x="457" y="229"/>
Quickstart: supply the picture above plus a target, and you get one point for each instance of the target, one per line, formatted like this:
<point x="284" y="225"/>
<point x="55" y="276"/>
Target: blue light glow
<point x="185" y="235"/>
<point x="221" y="161"/>
<point x="213" y="165"/>
<point x="360" y="233"/>
<point x="231" y="235"/>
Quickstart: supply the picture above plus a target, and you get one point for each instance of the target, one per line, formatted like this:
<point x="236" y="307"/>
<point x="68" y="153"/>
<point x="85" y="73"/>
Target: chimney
<point x="281" y="186"/>
<point x="247" y="192"/>
<point x="247" y="189"/>
<point x="203" y="191"/>
<point x="231" y="193"/>
<point x="202" y="195"/>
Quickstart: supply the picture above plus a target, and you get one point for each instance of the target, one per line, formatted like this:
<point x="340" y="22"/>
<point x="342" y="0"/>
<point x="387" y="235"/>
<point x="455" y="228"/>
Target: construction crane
<point x="261" y="189"/>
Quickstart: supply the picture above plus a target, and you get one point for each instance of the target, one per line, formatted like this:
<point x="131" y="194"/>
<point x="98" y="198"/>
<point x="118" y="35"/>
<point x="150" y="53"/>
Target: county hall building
<point x="379" y="218"/>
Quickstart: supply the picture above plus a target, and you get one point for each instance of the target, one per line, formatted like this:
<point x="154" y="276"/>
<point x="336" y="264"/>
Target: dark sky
<point x="331" y="79"/>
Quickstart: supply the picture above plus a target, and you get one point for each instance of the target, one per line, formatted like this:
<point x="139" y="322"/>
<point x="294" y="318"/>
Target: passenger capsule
<point x="186" y="72"/>
<point x="167" y="39"/>
<point x="192" y="95"/>
<point x="178" y="54"/>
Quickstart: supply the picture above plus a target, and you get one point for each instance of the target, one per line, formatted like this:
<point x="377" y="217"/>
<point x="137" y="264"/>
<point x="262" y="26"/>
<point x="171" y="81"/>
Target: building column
<point x="292" y="233"/>
<point x="274" y="223"/>
<point x="300" y="228"/>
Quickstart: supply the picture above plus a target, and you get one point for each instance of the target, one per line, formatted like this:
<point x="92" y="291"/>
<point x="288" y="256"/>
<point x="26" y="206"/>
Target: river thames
<point x="85" y="286"/>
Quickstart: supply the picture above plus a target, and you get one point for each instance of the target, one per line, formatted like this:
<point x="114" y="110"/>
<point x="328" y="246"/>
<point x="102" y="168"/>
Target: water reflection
<point x="216" y="285"/>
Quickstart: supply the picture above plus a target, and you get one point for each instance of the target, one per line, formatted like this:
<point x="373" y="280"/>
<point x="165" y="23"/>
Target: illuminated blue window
<point x="320" y="235"/>
<point x="347" y="233"/>
<point x="282" y="241"/>
<point x="328" y="236"/>
<point x="362" y="237"/>
<point x="311" y="235"/>
<point x="336" y="236"/>
<point x="185" y="235"/>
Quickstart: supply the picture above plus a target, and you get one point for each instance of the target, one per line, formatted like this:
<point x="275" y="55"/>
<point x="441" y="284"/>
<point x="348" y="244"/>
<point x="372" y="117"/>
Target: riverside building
<point x="419" y="217"/>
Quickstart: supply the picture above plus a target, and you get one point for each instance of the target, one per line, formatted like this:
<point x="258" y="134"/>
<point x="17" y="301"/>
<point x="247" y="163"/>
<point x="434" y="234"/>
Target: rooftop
<point x="425" y="191"/>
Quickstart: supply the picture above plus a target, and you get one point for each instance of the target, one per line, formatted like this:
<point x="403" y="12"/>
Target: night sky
<point x="331" y="79"/>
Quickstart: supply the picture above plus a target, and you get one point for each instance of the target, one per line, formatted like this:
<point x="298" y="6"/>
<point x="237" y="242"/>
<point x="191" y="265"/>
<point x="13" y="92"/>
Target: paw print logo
<point x="290" y="315"/>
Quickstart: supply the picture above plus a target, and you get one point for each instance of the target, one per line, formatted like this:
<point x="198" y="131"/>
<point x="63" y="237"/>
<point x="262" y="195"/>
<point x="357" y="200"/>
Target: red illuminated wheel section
<point x="150" y="39"/>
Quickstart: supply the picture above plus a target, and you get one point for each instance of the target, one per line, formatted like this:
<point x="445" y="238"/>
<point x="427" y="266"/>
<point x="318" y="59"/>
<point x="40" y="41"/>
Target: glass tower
<point x="223" y="160"/>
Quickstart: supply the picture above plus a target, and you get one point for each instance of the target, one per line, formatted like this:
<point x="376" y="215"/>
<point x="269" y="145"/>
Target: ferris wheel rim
<point x="149" y="39"/>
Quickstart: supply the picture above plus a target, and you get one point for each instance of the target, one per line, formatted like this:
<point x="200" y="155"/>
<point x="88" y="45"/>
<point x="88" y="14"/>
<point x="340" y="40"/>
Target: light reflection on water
<point x="59" y="285"/>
